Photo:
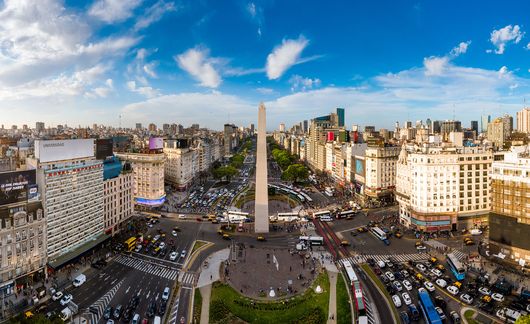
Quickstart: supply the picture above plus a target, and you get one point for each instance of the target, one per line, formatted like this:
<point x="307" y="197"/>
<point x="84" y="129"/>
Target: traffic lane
<point x="184" y="304"/>
<point x="366" y="243"/>
<point x="383" y="309"/>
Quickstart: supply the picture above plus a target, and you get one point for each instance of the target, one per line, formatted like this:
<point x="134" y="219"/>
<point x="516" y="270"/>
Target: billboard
<point x="104" y="148"/>
<point x="359" y="167"/>
<point x="156" y="143"/>
<point x="58" y="150"/>
<point x="18" y="186"/>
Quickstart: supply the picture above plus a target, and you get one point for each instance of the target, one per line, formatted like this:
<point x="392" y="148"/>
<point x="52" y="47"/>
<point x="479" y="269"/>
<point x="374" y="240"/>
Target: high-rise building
<point x="306" y="126"/>
<point x="71" y="184"/>
<point x="230" y="140"/>
<point x="39" y="127"/>
<point x="380" y="171"/>
<point x="340" y="114"/>
<point x="282" y="127"/>
<point x="509" y="220"/>
<point x="523" y="120"/>
<point x="474" y="126"/>
<point x="496" y="133"/>
<point x="251" y="129"/>
<point x="138" y="126"/>
<point x="181" y="163"/>
<point x="22" y="230"/>
<point x="442" y="188"/>
<point x="436" y="127"/>
<point x="507" y="122"/>
<point x="484" y="121"/>
<point x="152" y="128"/>
<point x="148" y="177"/>
<point x="449" y="126"/>
<point x="118" y="205"/>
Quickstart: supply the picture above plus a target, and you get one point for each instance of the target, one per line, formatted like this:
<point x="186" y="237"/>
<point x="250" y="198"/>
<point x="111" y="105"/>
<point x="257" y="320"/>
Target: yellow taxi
<point x="486" y="298"/>
<point x="398" y="235"/>
<point x="433" y="260"/>
<point x="344" y="243"/>
<point x="440" y="267"/>
<point x="457" y="284"/>
<point x="419" y="276"/>
<point x="226" y="237"/>
<point x="261" y="238"/>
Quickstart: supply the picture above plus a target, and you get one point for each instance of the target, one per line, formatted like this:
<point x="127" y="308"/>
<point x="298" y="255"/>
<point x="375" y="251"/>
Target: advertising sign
<point x="103" y="148"/>
<point x="359" y="167"/>
<point x="58" y="150"/>
<point x="156" y="143"/>
<point x="18" y="186"/>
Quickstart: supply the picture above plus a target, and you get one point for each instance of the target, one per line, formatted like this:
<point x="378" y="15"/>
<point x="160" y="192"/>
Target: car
<point x="457" y="284"/>
<point x="442" y="283"/>
<point x="440" y="267"/>
<point x="58" y="295"/>
<point x="135" y="301"/>
<point x="436" y="272"/>
<point x="390" y="276"/>
<point x="421" y="247"/>
<point x="391" y="290"/>
<point x="181" y="216"/>
<point x="405" y="273"/>
<point x="398" y="275"/>
<point x="226" y="237"/>
<point x="422" y="290"/>
<point x="384" y="279"/>
<point x="440" y="302"/>
<point x="414" y="313"/>
<point x="381" y="264"/>
<point x="466" y="298"/>
<point x="406" y="298"/>
<point x="107" y="313"/>
<point x="136" y="319"/>
<point x="151" y="309"/>
<point x="455" y="317"/>
<point x="421" y="267"/>
<point x="110" y="321"/>
<point x="162" y="245"/>
<point x="486" y="298"/>
<point x="407" y="285"/>
<point x="261" y="238"/>
<point x="66" y="299"/>
<point x="396" y="300"/>
<point x="165" y="294"/>
<point x="452" y="290"/>
<point x="344" y="243"/>
<point x="117" y="312"/>
<point x="440" y="313"/>
<point x="404" y="317"/>
<point x="389" y="263"/>
<point x="397" y="285"/>
<point x="484" y="291"/>
<point x="497" y="297"/>
<point x="398" y="235"/>
<point x="429" y="286"/>
<point x="419" y="276"/>
<point x="174" y="233"/>
<point x="183" y="254"/>
<point x="173" y="256"/>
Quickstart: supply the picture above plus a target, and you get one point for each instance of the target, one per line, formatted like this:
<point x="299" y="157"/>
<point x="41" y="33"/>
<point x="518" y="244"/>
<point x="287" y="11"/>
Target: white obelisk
<point x="261" y="208"/>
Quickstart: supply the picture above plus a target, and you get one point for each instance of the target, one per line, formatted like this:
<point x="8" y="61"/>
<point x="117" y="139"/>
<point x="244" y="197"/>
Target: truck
<point x="79" y="280"/>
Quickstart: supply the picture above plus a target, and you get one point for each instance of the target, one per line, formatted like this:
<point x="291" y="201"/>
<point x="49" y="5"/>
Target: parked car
<point x="466" y="298"/>
<point x="453" y="290"/>
<point x="429" y="286"/>
<point x="406" y="298"/>
<point x="497" y="297"/>
<point x="396" y="300"/>
<point x="407" y="285"/>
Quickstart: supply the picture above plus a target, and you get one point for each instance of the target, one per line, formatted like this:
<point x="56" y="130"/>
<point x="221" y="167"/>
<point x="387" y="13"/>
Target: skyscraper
<point x="474" y="126"/>
<point x="523" y="120"/>
<point x="484" y="121"/>
<point x="340" y="114"/>
<point x="138" y="126"/>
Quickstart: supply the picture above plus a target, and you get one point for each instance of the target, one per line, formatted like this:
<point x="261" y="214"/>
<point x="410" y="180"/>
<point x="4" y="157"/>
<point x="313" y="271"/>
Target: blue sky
<point x="211" y="62"/>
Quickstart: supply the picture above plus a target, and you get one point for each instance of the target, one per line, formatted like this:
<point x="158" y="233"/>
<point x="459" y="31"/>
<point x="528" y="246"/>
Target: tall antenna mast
<point x="120" y="120"/>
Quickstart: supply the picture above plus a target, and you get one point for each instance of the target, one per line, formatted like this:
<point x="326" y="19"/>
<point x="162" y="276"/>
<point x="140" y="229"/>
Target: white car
<point x="407" y="285"/>
<point x="183" y="254"/>
<point x="173" y="256"/>
<point x="442" y="283"/>
<point x="501" y="313"/>
<point x="181" y="216"/>
<point x="397" y="285"/>
<point x="406" y="298"/>
<point x="436" y="272"/>
<point x="405" y="273"/>
<point x="497" y="297"/>
<point x="441" y="313"/>
<point x="429" y="286"/>
<point x="390" y="276"/>
<point x="421" y="247"/>
<point x="162" y="245"/>
<point x="466" y="299"/>
<point x="174" y="233"/>
<point x="484" y="291"/>
<point x="66" y="299"/>
<point x="381" y="264"/>
<point x="396" y="300"/>
<point x="421" y="267"/>
<point x="453" y="290"/>
<point x="58" y="295"/>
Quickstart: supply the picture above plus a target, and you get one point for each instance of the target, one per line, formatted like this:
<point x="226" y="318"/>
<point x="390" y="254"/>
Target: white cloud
<point x="149" y="69"/>
<point x="154" y="14"/>
<point x="148" y="92"/>
<point x="460" y="49"/>
<point x="111" y="11"/>
<point x="300" y="83"/>
<point x="265" y="91"/>
<point x="528" y="46"/>
<point x="251" y="8"/>
<point x="200" y="66"/>
<point x="502" y="37"/>
<point x="503" y="71"/>
<point x="435" y="65"/>
<point x="284" y="56"/>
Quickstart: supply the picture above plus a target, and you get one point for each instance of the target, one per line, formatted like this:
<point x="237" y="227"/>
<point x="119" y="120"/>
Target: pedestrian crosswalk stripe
<point x="357" y="259"/>
<point x="154" y="269"/>
<point x="187" y="278"/>
<point x="101" y="304"/>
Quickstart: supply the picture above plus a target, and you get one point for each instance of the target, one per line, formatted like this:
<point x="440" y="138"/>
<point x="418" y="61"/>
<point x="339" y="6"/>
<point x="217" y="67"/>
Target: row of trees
<point x="291" y="171"/>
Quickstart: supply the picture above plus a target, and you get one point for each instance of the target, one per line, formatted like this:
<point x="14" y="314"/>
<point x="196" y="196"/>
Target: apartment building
<point x="380" y="174"/>
<point x="148" y="177"/>
<point x="22" y="230"/>
<point x="509" y="220"/>
<point x="118" y="204"/>
<point x="441" y="188"/>
<point x="181" y="163"/>
<point x="70" y="180"/>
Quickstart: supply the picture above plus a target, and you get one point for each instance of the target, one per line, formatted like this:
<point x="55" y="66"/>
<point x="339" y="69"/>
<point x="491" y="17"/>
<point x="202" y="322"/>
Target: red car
<point x="199" y="219"/>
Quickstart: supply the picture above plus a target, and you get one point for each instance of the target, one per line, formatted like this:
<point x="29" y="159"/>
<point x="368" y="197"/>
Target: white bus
<point x="312" y="240"/>
<point x="379" y="233"/>
<point x="329" y="191"/>
<point x="321" y="213"/>
<point x="346" y="213"/>
<point x="234" y="216"/>
<point x="287" y="217"/>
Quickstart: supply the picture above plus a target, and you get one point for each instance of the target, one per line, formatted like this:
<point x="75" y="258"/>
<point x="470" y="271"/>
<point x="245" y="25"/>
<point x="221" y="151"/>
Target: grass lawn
<point x="197" y="245"/>
<point x="197" y="303"/>
<point x="343" y="301"/>
<point x="469" y="316"/>
<point x="228" y="306"/>
<point x="378" y="282"/>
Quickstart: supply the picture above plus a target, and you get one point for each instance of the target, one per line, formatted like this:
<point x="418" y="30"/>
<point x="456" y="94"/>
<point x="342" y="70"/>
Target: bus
<point x="456" y="266"/>
<point x="130" y="244"/>
<point x="323" y="213"/>
<point x="329" y="191"/>
<point x="346" y="213"/>
<point x="234" y="216"/>
<point x="287" y="217"/>
<point x="427" y="308"/>
<point x="312" y="240"/>
<point x="357" y="293"/>
<point x="380" y="234"/>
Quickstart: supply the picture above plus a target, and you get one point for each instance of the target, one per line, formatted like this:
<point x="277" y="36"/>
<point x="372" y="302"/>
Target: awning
<point x="80" y="250"/>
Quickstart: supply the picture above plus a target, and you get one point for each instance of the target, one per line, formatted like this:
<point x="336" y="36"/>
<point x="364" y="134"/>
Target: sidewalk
<point x="210" y="268"/>
<point x="206" y="293"/>
<point x="332" y="312"/>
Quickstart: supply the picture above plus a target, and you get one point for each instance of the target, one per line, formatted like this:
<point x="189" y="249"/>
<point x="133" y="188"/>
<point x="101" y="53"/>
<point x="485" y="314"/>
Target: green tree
<point x="237" y="161"/>
<point x="295" y="173"/>
<point x="523" y="320"/>
<point x="225" y="172"/>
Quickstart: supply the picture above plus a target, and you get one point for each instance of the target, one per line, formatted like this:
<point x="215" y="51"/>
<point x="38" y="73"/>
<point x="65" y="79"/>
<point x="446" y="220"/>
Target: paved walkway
<point x="210" y="267"/>
<point x="332" y="312"/>
<point x="206" y="293"/>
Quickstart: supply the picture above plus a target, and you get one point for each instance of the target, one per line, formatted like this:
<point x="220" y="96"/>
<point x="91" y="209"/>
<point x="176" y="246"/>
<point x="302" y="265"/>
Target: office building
<point x="484" y="121"/>
<point x="138" y="126"/>
<point x="523" y="121"/>
<point x="181" y="164"/>
<point x="340" y="116"/>
<point x="497" y="133"/>
<point x="449" y="126"/>
<point x="22" y="231"/>
<point x="474" y="126"/>
<point x="70" y="180"/>
<point x="39" y="127"/>
<point x="509" y="220"/>
<point x="118" y="204"/>
<point x="282" y="127"/>
<point x="441" y="188"/>
<point x="148" y="177"/>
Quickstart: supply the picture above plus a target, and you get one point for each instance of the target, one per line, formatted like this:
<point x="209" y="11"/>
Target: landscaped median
<point x="379" y="284"/>
<point x="227" y="305"/>
<point x="197" y="305"/>
<point x="198" y="246"/>
<point x="343" y="301"/>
